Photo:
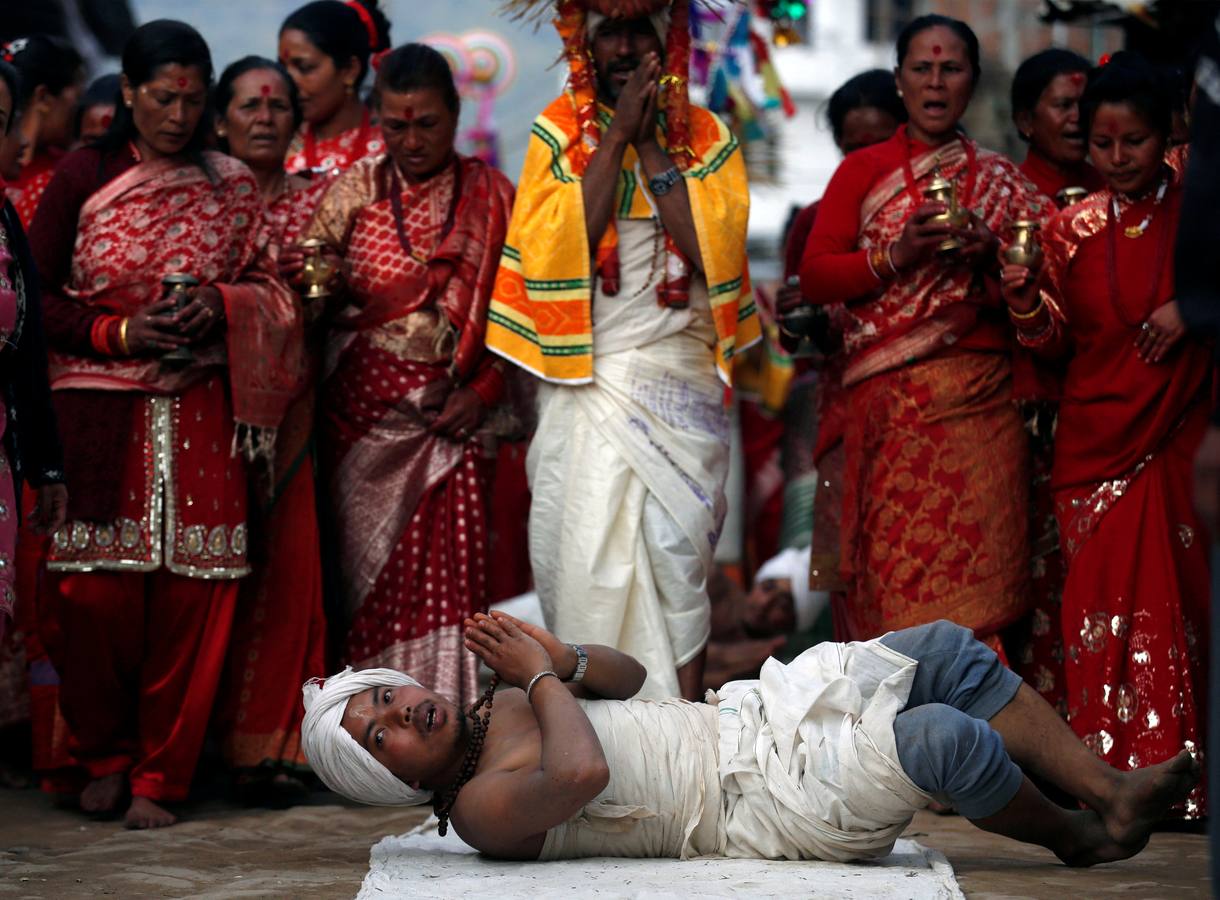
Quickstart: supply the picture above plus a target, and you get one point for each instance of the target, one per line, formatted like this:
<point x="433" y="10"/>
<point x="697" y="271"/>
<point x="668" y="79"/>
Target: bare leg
<point x="690" y="677"/>
<point x="1129" y="803"/>
<point x="143" y="813"/>
<point x="1078" y="837"/>
<point x="102" y="795"/>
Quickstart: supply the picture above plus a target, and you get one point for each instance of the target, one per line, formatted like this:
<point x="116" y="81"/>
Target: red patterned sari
<point x="279" y="627"/>
<point x="409" y="506"/>
<point x="330" y="156"/>
<point x="935" y="470"/>
<point x="1135" y="604"/>
<point x="143" y="580"/>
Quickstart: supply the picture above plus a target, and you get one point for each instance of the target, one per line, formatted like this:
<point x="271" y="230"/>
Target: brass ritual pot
<point x="179" y="286"/>
<point x="942" y="190"/>
<point x="1024" y="250"/>
<point x="318" y="271"/>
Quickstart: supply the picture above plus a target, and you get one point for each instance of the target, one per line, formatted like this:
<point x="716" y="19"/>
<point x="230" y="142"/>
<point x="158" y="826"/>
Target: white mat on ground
<point x="420" y="863"/>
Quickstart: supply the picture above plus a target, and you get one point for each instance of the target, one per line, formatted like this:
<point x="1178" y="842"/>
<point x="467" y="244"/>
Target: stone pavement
<point x="321" y="850"/>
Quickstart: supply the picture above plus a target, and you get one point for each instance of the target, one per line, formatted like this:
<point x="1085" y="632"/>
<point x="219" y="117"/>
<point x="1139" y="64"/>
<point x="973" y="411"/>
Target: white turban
<point x="792" y="565"/>
<point x="659" y="20"/>
<point x="335" y="756"/>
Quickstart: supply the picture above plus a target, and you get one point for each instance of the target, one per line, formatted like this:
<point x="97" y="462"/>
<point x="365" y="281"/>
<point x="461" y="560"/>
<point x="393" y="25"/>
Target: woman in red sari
<point x="865" y="110"/>
<point x="143" y="581"/>
<point x="1046" y="91"/>
<point x="936" y="469"/>
<point x="407" y="384"/>
<point x="279" y="629"/>
<point x="327" y="47"/>
<point x="52" y="78"/>
<point x="1134" y="409"/>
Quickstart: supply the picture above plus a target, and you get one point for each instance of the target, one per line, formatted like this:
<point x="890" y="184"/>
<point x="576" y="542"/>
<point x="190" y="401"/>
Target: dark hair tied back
<point x="162" y="42"/>
<point x="341" y="32"/>
<point x="874" y="89"/>
<point x="1035" y="74"/>
<point x="44" y="60"/>
<point x="222" y="94"/>
<point x="957" y="26"/>
<point x="1130" y="79"/>
<point x="414" y="67"/>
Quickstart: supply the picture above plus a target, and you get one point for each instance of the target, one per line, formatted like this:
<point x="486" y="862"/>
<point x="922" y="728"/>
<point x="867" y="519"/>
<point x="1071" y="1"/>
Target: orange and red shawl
<point x="171" y="216"/>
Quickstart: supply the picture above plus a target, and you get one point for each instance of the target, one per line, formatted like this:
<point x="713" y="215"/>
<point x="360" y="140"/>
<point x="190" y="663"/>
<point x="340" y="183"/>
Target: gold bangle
<point x="123" y="336"/>
<point x="1026" y="317"/>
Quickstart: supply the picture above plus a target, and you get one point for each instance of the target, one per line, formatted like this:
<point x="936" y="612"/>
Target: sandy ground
<point x="321" y="851"/>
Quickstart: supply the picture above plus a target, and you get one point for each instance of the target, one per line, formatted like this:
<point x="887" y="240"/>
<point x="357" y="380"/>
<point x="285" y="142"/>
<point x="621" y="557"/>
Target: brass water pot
<point x="179" y="286"/>
<point x="1024" y="249"/>
<point x="318" y="271"/>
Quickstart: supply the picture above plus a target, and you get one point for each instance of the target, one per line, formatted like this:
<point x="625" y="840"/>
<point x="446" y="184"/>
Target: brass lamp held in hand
<point x="1024" y="249"/>
<point x="317" y="271"/>
<point x="942" y="190"/>
<point x="1070" y="196"/>
<point x="179" y="286"/>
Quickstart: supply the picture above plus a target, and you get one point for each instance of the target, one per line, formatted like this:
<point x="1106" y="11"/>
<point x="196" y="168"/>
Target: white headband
<point x="335" y="756"/>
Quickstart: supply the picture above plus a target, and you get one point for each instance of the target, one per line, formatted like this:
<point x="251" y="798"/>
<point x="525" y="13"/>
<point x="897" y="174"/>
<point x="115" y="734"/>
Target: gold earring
<point x="899" y="92"/>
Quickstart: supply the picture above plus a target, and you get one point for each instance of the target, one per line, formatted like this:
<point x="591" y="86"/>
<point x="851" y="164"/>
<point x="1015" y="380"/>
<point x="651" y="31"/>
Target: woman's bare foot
<point x="1144" y="797"/>
<point x="102" y="795"/>
<point x="143" y="813"/>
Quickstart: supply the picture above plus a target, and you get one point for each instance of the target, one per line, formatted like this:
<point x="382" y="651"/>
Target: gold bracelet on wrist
<point x="123" y="336"/>
<point x="1026" y="317"/>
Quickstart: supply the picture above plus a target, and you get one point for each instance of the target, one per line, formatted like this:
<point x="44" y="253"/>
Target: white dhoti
<point x="803" y="762"/>
<point x="627" y="479"/>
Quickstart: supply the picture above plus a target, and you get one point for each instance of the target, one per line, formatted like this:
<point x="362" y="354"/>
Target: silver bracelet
<point x="533" y="681"/>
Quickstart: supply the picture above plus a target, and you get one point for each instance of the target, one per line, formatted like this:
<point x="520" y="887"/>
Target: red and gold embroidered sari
<point x="179" y="492"/>
<point x="935" y="522"/>
<point x="279" y="627"/>
<point x="408" y="505"/>
<point x="1135" y="604"/>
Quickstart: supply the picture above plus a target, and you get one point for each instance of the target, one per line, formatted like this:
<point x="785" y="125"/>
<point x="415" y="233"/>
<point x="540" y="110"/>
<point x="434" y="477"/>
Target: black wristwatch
<point x="662" y="184"/>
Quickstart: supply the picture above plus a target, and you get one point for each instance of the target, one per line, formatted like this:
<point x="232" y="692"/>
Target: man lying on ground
<point x="826" y="758"/>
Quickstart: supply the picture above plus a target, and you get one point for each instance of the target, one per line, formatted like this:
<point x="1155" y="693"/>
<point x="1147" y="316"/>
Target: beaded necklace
<point x="478" y="731"/>
<point x="1162" y="251"/>
<point x="404" y="240"/>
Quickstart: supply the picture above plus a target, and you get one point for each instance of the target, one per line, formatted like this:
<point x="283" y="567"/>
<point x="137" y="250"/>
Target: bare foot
<point x="143" y="813"/>
<point x="102" y="795"/>
<point x="1145" y="796"/>
<point x="1090" y="843"/>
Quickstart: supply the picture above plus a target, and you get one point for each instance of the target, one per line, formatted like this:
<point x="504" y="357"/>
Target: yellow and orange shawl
<point x="541" y="306"/>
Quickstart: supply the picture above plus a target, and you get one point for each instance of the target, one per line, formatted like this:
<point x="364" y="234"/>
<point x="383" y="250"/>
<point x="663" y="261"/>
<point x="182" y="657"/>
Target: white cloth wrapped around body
<point x="806" y="761"/>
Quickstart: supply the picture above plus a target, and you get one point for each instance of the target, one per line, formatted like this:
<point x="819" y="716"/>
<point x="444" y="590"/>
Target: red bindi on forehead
<point x="181" y="82"/>
<point x="408" y="113"/>
<point x="265" y="90"/>
<point x="106" y="120"/>
<point x="1077" y="78"/>
<point x="936" y="49"/>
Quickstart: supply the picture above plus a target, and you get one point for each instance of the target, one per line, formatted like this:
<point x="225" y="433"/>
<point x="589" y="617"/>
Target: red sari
<point x="1135" y="604"/>
<point x="279" y="627"/>
<point x="330" y="156"/>
<point x="1035" y="644"/>
<point x="27" y="190"/>
<point x="142" y="582"/>
<point x="936" y="478"/>
<point x="409" y="506"/>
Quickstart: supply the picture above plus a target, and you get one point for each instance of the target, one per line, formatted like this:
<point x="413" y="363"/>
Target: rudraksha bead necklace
<point x="478" y="731"/>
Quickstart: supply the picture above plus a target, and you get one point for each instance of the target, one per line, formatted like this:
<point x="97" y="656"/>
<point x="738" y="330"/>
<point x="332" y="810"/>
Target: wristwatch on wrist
<point x="582" y="663"/>
<point x="662" y="184"/>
